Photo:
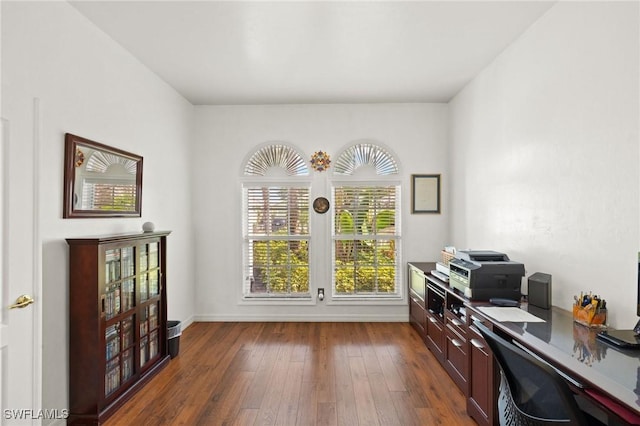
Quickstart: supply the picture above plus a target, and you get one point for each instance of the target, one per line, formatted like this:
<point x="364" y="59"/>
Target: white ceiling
<point x="240" y="52"/>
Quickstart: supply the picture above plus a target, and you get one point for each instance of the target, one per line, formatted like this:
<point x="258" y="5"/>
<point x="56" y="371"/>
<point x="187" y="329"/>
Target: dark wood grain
<point x="299" y="374"/>
<point x="88" y="323"/>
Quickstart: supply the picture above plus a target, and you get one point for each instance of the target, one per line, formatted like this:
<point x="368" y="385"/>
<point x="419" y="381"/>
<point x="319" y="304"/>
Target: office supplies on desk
<point x="509" y="314"/>
<point x="626" y="339"/>
<point x="439" y="275"/>
<point x="590" y="310"/>
<point x="498" y="301"/>
<point x="442" y="268"/>
<point x="481" y="275"/>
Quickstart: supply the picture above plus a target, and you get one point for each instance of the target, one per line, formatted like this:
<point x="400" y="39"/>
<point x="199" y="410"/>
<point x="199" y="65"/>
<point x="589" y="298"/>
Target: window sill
<point x="366" y="300"/>
<point x="275" y="300"/>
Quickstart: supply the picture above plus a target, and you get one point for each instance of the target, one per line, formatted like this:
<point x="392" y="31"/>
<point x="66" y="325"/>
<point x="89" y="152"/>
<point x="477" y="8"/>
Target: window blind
<point x="108" y="196"/>
<point x="366" y="239"/>
<point x="276" y="243"/>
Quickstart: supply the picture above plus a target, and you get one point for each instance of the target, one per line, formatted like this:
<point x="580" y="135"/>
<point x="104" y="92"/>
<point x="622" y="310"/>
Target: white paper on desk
<point x="509" y="314"/>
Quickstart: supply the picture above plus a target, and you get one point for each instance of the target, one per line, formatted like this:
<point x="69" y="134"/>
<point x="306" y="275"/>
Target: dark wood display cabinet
<point x="117" y="320"/>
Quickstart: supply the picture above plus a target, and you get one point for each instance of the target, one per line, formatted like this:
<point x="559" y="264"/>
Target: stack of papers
<point x="508" y="314"/>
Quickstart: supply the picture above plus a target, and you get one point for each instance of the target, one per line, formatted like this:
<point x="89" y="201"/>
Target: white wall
<point x="415" y="133"/>
<point x="88" y="85"/>
<point x="544" y="154"/>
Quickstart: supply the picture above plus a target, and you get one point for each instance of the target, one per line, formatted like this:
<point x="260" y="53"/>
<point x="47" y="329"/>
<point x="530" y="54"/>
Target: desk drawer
<point x="456" y="358"/>
<point x="417" y="315"/>
<point x="456" y="324"/>
<point x="435" y="337"/>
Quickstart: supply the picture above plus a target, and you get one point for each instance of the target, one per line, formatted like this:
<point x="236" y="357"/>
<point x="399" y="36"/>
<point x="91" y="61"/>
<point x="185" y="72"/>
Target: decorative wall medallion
<point x="320" y="161"/>
<point x="79" y="157"/>
<point x="321" y="205"/>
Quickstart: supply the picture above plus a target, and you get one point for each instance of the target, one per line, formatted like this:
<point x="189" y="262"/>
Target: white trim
<point x="276" y="301"/>
<point x="186" y="323"/>
<point x="303" y="318"/>
<point x="4" y="260"/>
<point x="283" y="181"/>
<point x="398" y="300"/>
<point x="372" y="181"/>
<point x="37" y="261"/>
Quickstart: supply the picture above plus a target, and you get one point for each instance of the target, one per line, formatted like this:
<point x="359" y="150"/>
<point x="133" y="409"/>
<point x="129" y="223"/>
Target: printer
<point x="485" y="274"/>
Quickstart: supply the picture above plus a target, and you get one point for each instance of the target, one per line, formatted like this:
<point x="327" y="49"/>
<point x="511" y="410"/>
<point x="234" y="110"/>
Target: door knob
<point x="22" y="302"/>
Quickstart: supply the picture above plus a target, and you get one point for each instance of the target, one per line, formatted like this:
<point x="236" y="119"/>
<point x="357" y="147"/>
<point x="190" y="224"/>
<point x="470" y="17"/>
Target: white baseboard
<point x="301" y="318"/>
<point x="184" y="323"/>
<point x="56" y="422"/>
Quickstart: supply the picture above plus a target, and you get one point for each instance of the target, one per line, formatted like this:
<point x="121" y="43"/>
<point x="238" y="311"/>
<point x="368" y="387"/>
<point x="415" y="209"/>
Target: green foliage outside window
<point x="283" y="266"/>
<point x="363" y="276"/>
<point x="113" y="197"/>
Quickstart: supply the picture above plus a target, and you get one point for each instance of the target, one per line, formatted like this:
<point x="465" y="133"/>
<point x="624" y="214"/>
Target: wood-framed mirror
<point x="100" y="181"/>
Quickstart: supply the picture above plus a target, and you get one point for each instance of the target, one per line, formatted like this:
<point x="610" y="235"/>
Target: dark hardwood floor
<point x="298" y="374"/>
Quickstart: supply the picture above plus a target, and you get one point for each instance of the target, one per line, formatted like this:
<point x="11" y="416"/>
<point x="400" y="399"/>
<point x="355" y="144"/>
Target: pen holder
<point x="590" y="316"/>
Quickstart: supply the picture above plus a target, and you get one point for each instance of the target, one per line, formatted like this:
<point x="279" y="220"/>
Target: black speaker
<point x="539" y="290"/>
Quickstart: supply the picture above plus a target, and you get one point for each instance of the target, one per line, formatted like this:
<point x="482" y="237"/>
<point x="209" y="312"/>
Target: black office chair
<point x="531" y="392"/>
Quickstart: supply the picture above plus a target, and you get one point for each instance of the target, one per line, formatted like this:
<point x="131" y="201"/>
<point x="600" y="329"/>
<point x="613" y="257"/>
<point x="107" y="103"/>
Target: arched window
<point x="366" y="225"/>
<point x="276" y="156"/>
<point x="276" y="223"/>
<point x="365" y="154"/>
<point x="108" y="183"/>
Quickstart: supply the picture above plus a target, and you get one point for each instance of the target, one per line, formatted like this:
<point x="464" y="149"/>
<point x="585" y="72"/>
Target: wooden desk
<point x="610" y="376"/>
<point x="607" y="376"/>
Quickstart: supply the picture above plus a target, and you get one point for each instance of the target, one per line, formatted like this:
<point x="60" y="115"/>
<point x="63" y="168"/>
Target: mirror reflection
<point x="100" y="181"/>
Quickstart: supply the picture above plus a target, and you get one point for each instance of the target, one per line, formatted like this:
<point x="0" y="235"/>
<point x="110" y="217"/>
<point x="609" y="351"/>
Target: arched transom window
<point x="366" y="154"/>
<point x="276" y="156"/>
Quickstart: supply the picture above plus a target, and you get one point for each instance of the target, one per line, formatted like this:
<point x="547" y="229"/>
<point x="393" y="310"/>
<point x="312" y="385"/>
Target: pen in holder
<point x="590" y="310"/>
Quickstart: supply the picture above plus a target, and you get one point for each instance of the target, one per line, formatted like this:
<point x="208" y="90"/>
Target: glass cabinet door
<point x="127" y="294"/>
<point x="120" y="282"/>
<point x="149" y="271"/>
<point x="149" y="333"/>
<point x="112" y="349"/>
<point x="120" y="345"/>
<point x="154" y="287"/>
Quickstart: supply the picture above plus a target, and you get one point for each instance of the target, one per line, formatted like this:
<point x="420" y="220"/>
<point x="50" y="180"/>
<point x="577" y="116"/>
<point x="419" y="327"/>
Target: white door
<point x="19" y="370"/>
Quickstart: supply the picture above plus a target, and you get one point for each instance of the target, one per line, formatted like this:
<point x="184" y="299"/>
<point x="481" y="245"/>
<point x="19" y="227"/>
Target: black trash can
<point x="173" y="334"/>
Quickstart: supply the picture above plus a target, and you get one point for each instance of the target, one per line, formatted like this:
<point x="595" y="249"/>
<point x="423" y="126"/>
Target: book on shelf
<point x="112" y="377"/>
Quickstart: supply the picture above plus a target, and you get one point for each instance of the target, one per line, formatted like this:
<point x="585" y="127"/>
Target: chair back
<point x="539" y="394"/>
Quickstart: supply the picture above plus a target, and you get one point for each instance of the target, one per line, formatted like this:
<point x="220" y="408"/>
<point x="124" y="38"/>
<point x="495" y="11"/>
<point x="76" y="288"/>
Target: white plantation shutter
<point x="365" y="154"/>
<point x="276" y="241"/>
<point x="114" y="196"/>
<point x="366" y="239"/>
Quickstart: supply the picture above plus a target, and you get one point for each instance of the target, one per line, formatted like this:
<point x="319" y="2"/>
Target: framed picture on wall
<point x="425" y="193"/>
